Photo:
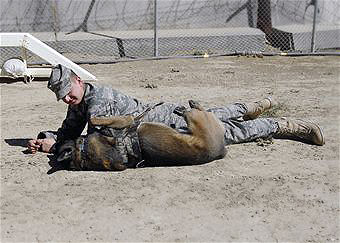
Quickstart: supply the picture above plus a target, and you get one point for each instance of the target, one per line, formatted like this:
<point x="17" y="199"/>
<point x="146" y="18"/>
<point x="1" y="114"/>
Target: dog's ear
<point x="195" y="105"/>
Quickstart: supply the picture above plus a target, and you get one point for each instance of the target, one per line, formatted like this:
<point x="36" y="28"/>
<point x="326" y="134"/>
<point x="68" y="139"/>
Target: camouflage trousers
<point x="236" y="129"/>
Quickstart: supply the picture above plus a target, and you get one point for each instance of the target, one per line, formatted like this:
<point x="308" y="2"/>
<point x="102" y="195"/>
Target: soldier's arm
<point x="73" y="125"/>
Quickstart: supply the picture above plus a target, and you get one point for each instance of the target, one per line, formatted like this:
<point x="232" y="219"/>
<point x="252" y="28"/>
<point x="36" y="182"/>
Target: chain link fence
<point x="107" y="30"/>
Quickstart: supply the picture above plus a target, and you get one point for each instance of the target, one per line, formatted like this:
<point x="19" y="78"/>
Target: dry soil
<point x="280" y="191"/>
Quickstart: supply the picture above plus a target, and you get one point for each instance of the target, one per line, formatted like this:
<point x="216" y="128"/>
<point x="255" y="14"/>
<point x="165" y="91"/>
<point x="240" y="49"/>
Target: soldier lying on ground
<point x="85" y="100"/>
<point x="128" y="142"/>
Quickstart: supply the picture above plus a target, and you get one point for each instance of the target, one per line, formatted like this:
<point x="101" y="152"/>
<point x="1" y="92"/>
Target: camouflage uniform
<point x="105" y="101"/>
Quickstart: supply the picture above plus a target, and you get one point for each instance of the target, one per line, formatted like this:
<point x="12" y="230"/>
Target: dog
<point x="134" y="143"/>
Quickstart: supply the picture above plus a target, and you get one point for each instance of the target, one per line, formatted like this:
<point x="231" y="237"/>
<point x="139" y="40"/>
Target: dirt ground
<point x="284" y="191"/>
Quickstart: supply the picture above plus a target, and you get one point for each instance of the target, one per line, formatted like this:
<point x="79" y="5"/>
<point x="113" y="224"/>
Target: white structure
<point x="29" y="42"/>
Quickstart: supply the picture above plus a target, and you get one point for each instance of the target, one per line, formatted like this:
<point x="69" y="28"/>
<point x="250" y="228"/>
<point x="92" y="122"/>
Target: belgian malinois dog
<point x="157" y="144"/>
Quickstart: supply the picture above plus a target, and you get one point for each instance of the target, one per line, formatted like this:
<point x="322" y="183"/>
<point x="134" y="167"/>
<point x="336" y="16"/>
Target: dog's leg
<point x="162" y="145"/>
<point x="116" y="122"/>
<point x="207" y="131"/>
<point x="120" y="122"/>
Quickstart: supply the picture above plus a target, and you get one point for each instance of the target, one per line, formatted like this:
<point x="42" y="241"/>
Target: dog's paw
<point x="195" y="105"/>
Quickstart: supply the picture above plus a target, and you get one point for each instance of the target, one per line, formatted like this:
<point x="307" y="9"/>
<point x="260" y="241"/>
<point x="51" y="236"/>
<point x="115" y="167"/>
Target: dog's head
<point x="95" y="151"/>
<point x="65" y="153"/>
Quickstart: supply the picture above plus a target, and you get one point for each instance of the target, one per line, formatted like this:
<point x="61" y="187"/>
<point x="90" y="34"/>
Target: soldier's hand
<point x="34" y="145"/>
<point x="43" y="145"/>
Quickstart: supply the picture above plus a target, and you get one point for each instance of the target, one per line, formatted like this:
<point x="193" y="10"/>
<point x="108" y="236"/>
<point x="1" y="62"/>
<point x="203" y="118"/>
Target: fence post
<point x="155" y="29"/>
<point x="312" y="48"/>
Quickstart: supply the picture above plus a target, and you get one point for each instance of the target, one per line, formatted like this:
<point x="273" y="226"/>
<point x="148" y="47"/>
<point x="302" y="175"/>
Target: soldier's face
<point x="75" y="96"/>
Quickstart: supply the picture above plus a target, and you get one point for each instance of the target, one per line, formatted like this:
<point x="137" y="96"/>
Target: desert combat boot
<point x="300" y="130"/>
<point x="254" y="110"/>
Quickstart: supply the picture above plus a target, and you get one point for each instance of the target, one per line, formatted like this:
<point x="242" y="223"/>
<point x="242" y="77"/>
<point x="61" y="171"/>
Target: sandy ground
<point x="285" y="191"/>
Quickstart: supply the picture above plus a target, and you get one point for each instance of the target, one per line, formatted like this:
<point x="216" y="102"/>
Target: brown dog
<point x="154" y="144"/>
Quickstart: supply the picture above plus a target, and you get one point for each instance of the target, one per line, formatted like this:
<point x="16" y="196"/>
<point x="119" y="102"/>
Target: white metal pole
<point x="155" y="29"/>
<point x="39" y="48"/>
<point x="312" y="49"/>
